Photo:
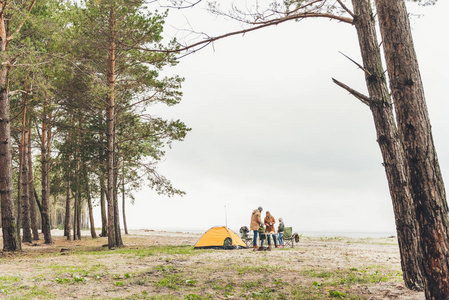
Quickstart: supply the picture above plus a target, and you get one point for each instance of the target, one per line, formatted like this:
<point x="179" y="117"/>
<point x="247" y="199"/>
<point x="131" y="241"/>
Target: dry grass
<point x="155" y="265"/>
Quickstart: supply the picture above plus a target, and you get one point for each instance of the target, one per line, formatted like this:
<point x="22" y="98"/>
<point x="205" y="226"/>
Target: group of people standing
<point x="266" y="229"/>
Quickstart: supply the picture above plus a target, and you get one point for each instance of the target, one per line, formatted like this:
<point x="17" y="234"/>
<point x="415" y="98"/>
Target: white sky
<point x="270" y="128"/>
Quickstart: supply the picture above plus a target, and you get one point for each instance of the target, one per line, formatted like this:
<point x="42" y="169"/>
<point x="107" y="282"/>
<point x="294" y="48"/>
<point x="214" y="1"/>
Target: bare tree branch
<point x="358" y="65"/>
<point x="346" y="8"/>
<point x="273" y="22"/>
<point x="365" y="100"/>
<point x="18" y="91"/>
<point x="178" y="4"/>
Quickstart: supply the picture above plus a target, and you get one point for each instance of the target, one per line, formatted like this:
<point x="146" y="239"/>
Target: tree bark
<point x="118" y="234"/>
<point x="33" y="215"/>
<point x="45" y="162"/>
<point x="427" y="187"/>
<point x="24" y="214"/>
<point x="123" y="202"/>
<point x="20" y="173"/>
<point x="67" y="211"/>
<point x="77" y="187"/>
<point x="75" y="215"/>
<point x="104" y="218"/>
<point x="68" y="191"/>
<point x="110" y="115"/>
<point x="389" y="143"/>
<point x="10" y="241"/>
<point x="26" y="222"/>
<point x="93" y="234"/>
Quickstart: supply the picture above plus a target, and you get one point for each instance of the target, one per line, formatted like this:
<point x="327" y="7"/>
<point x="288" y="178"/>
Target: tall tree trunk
<point x="33" y="216"/>
<point x="93" y="234"/>
<point x="45" y="161"/>
<point x="426" y="182"/>
<point x="20" y="173"/>
<point x="79" y="216"/>
<point x="110" y="115"/>
<point x="389" y="143"/>
<point x="78" y="175"/>
<point x="75" y="215"/>
<point x="26" y="222"/>
<point x="67" y="211"/>
<point x="24" y="215"/>
<point x="10" y="241"/>
<point x="104" y="218"/>
<point x="123" y="201"/>
<point x="68" y="191"/>
<point x="118" y="234"/>
<point x="39" y="205"/>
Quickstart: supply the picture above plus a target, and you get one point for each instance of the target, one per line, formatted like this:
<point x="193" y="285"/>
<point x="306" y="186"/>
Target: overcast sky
<point x="270" y="128"/>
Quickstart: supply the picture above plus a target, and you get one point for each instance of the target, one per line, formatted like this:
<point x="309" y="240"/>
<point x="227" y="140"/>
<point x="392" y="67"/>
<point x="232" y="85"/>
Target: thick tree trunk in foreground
<point x="426" y="182"/>
<point x="389" y="143"/>
<point x="9" y="229"/>
<point x="10" y="241"/>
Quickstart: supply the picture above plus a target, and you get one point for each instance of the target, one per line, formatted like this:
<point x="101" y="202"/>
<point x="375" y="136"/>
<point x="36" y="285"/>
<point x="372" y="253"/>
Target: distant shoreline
<point x="183" y="231"/>
<point x="349" y="234"/>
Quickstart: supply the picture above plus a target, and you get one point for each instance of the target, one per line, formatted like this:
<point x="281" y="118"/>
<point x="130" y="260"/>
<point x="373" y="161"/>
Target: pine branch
<point x="365" y="100"/>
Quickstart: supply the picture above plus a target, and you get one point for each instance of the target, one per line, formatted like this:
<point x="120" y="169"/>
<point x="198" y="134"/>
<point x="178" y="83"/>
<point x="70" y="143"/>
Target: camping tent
<point x="220" y="237"/>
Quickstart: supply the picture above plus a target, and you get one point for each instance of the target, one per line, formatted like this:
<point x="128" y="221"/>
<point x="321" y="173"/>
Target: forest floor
<point x="164" y="265"/>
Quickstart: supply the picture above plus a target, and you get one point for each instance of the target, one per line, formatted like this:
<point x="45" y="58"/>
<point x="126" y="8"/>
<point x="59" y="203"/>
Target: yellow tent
<point x="220" y="237"/>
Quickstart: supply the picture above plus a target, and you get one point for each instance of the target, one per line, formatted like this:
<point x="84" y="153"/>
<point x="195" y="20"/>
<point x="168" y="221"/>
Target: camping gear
<point x="244" y="231"/>
<point x="220" y="237"/>
<point x="289" y="238"/>
<point x="248" y="240"/>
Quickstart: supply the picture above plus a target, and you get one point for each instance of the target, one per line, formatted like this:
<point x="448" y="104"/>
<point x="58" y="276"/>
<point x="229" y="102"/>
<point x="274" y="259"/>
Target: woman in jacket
<point x="255" y="223"/>
<point x="269" y="223"/>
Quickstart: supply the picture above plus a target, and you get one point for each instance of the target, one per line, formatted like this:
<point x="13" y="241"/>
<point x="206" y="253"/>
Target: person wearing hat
<point x="256" y="221"/>
<point x="281" y="232"/>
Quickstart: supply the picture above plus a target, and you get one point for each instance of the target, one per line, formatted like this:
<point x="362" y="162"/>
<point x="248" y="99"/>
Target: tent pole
<point x="226" y="217"/>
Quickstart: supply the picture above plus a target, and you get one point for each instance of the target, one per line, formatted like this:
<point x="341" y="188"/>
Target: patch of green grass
<point x="62" y="280"/>
<point x="266" y="293"/>
<point x="8" y="284"/>
<point x="250" y="285"/>
<point x="39" y="293"/>
<point x="27" y="292"/>
<point x="352" y="276"/>
<point x="9" y="279"/>
<point x="197" y="297"/>
<point x="170" y="281"/>
<point x="143" y="252"/>
<point x="337" y="294"/>
<point x="355" y="276"/>
<point x="262" y="269"/>
<point x="119" y="283"/>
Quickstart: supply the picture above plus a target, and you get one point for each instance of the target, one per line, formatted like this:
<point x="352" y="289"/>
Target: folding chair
<point x="289" y="239"/>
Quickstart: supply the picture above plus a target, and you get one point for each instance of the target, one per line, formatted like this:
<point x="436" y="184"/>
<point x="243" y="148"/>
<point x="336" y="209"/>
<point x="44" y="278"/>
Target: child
<point x="281" y="232"/>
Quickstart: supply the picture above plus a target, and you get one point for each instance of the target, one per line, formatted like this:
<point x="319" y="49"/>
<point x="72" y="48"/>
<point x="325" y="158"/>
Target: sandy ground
<point x="38" y="262"/>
